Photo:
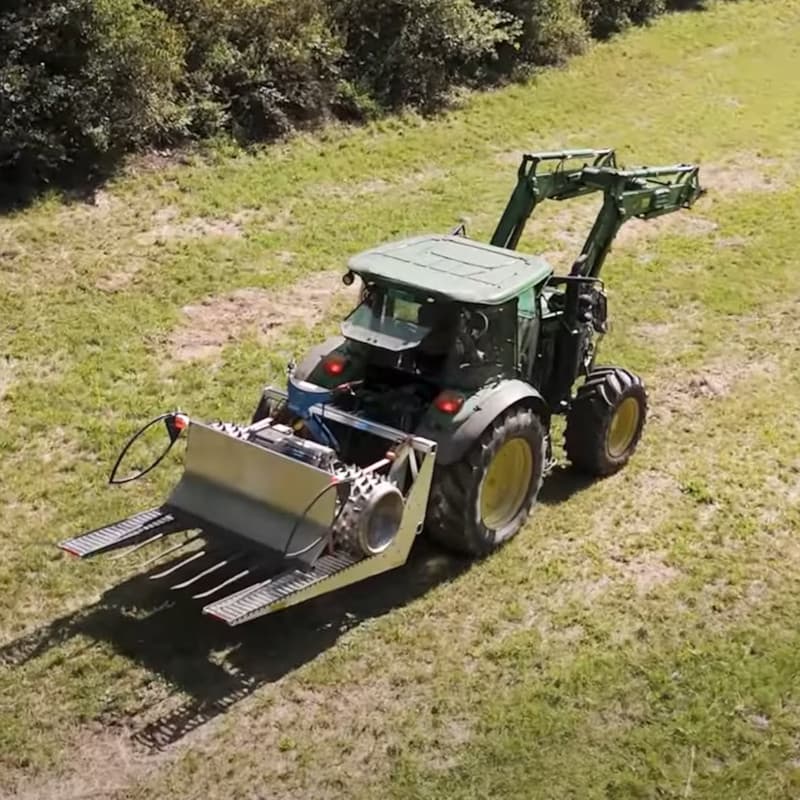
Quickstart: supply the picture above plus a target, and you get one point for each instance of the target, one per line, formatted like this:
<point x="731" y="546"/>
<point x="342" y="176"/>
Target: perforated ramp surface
<point x="148" y="523"/>
<point x="256" y="600"/>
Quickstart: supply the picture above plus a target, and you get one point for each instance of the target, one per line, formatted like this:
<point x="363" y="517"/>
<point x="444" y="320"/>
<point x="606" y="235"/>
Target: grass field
<point x="638" y="639"/>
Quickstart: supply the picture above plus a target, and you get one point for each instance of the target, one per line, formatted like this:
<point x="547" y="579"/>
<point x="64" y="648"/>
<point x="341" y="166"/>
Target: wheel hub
<point x="506" y="483"/>
<point x="623" y="427"/>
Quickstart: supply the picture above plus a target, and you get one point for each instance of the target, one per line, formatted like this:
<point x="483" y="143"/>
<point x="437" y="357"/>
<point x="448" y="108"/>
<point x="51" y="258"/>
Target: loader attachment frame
<point x="262" y="517"/>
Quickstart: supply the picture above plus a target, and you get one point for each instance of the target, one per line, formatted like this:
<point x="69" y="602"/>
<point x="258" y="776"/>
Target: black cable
<point x="333" y="484"/>
<point x="130" y="442"/>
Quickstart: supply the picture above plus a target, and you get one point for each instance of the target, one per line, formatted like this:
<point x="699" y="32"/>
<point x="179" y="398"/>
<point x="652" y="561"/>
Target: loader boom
<point x="644" y="193"/>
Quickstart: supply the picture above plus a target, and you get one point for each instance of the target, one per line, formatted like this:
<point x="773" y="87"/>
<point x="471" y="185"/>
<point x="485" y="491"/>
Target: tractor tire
<point x="482" y="501"/>
<point x="605" y="421"/>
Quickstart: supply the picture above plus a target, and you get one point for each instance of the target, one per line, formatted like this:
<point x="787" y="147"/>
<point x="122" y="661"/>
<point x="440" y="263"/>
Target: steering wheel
<point x="478" y="323"/>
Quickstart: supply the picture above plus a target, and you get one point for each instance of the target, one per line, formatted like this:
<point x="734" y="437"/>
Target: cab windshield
<point x="460" y="344"/>
<point x="390" y="318"/>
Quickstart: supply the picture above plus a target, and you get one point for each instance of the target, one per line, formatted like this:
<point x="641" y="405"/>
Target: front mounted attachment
<point x="278" y="516"/>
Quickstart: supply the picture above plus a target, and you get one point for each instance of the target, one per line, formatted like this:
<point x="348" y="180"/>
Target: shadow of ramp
<point x="209" y="666"/>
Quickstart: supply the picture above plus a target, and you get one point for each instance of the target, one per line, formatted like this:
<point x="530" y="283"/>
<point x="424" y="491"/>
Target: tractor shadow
<point x="207" y="665"/>
<point x="562" y="483"/>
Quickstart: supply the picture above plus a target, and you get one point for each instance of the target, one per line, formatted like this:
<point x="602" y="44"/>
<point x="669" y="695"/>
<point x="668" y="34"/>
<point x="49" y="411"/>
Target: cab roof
<point x="455" y="267"/>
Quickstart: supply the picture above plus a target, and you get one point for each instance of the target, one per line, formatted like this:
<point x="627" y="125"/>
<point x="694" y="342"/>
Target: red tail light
<point x="180" y="422"/>
<point x="449" y="402"/>
<point x="334" y="365"/>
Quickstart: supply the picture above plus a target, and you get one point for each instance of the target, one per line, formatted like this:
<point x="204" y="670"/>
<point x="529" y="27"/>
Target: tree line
<point x="85" y="81"/>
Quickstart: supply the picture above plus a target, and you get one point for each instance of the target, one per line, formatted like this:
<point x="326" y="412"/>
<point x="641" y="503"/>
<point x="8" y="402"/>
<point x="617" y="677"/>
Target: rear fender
<point x="456" y="435"/>
<point x="308" y="369"/>
<point x="311" y="360"/>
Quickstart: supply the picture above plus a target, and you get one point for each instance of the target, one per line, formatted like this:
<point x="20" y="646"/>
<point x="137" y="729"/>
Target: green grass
<point x="637" y="640"/>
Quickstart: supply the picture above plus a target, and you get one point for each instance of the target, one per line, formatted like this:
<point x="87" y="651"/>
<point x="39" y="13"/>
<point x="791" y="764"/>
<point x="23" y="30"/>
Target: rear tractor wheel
<point x="606" y="420"/>
<point x="482" y="501"/>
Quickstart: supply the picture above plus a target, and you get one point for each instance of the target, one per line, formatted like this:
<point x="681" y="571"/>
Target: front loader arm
<point x="644" y="193"/>
<point x="532" y="188"/>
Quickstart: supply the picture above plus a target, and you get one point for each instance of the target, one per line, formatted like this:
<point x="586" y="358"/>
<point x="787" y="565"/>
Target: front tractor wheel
<point x="482" y="501"/>
<point x="606" y="420"/>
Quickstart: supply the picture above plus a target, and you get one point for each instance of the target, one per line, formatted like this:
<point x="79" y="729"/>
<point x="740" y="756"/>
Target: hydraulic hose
<point x="318" y="496"/>
<point x="175" y="422"/>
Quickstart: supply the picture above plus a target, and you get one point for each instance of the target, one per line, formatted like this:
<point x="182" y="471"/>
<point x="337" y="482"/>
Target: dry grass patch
<point x="376" y="186"/>
<point x="218" y="321"/>
<point x="168" y="227"/>
<point x="104" y="761"/>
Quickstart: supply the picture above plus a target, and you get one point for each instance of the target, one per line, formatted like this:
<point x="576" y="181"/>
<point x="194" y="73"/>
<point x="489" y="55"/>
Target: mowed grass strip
<point x="544" y="671"/>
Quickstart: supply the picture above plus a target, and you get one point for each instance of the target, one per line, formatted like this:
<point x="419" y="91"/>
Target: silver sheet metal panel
<point x="240" y="487"/>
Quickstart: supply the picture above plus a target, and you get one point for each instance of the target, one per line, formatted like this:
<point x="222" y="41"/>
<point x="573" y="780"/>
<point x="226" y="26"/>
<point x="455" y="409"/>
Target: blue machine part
<point x="301" y="397"/>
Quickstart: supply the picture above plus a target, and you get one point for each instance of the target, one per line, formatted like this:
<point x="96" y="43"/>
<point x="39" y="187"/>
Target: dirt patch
<point x="647" y="572"/>
<point x="717" y="380"/>
<point x="658" y="330"/>
<point x="8" y="371"/>
<point x="119" y="279"/>
<point x="730" y="241"/>
<point x="379" y="185"/>
<point x="680" y="224"/>
<point x="168" y="227"/>
<point x="441" y="753"/>
<point x="747" y="172"/>
<point x="103" y="762"/>
<point x="218" y="321"/>
<point x="102" y="200"/>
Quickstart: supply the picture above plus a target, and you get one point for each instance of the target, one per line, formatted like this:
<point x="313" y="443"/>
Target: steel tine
<point x="176" y="567"/>
<point x="169" y="550"/>
<point x="131" y="550"/>
<point x="242" y="593"/>
<point x="214" y="568"/>
<point x="222" y="585"/>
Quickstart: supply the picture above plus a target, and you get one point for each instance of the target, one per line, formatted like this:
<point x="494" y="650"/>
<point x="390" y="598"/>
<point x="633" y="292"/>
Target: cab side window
<point x="527" y="304"/>
<point x="528" y="330"/>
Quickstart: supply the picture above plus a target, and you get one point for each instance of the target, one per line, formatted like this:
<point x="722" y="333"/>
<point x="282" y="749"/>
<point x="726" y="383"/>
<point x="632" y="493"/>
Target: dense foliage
<point x="82" y="81"/>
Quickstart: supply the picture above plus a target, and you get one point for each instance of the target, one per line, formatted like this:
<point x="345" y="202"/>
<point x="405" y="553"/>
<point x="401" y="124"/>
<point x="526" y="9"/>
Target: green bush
<point x="412" y="52"/>
<point x="541" y="32"/>
<point x="82" y="80"/>
<point x="606" y="17"/>
<point x="255" y="67"/>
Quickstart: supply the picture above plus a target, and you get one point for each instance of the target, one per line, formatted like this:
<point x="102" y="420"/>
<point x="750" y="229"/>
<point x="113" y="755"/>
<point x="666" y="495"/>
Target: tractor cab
<point x="446" y="308"/>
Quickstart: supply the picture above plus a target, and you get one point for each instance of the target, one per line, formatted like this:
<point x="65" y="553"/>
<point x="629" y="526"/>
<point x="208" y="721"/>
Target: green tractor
<point x="431" y="412"/>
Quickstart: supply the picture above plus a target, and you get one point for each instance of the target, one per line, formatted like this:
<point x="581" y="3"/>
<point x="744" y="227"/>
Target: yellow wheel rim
<point x="506" y="483"/>
<point x="623" y="427"/>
